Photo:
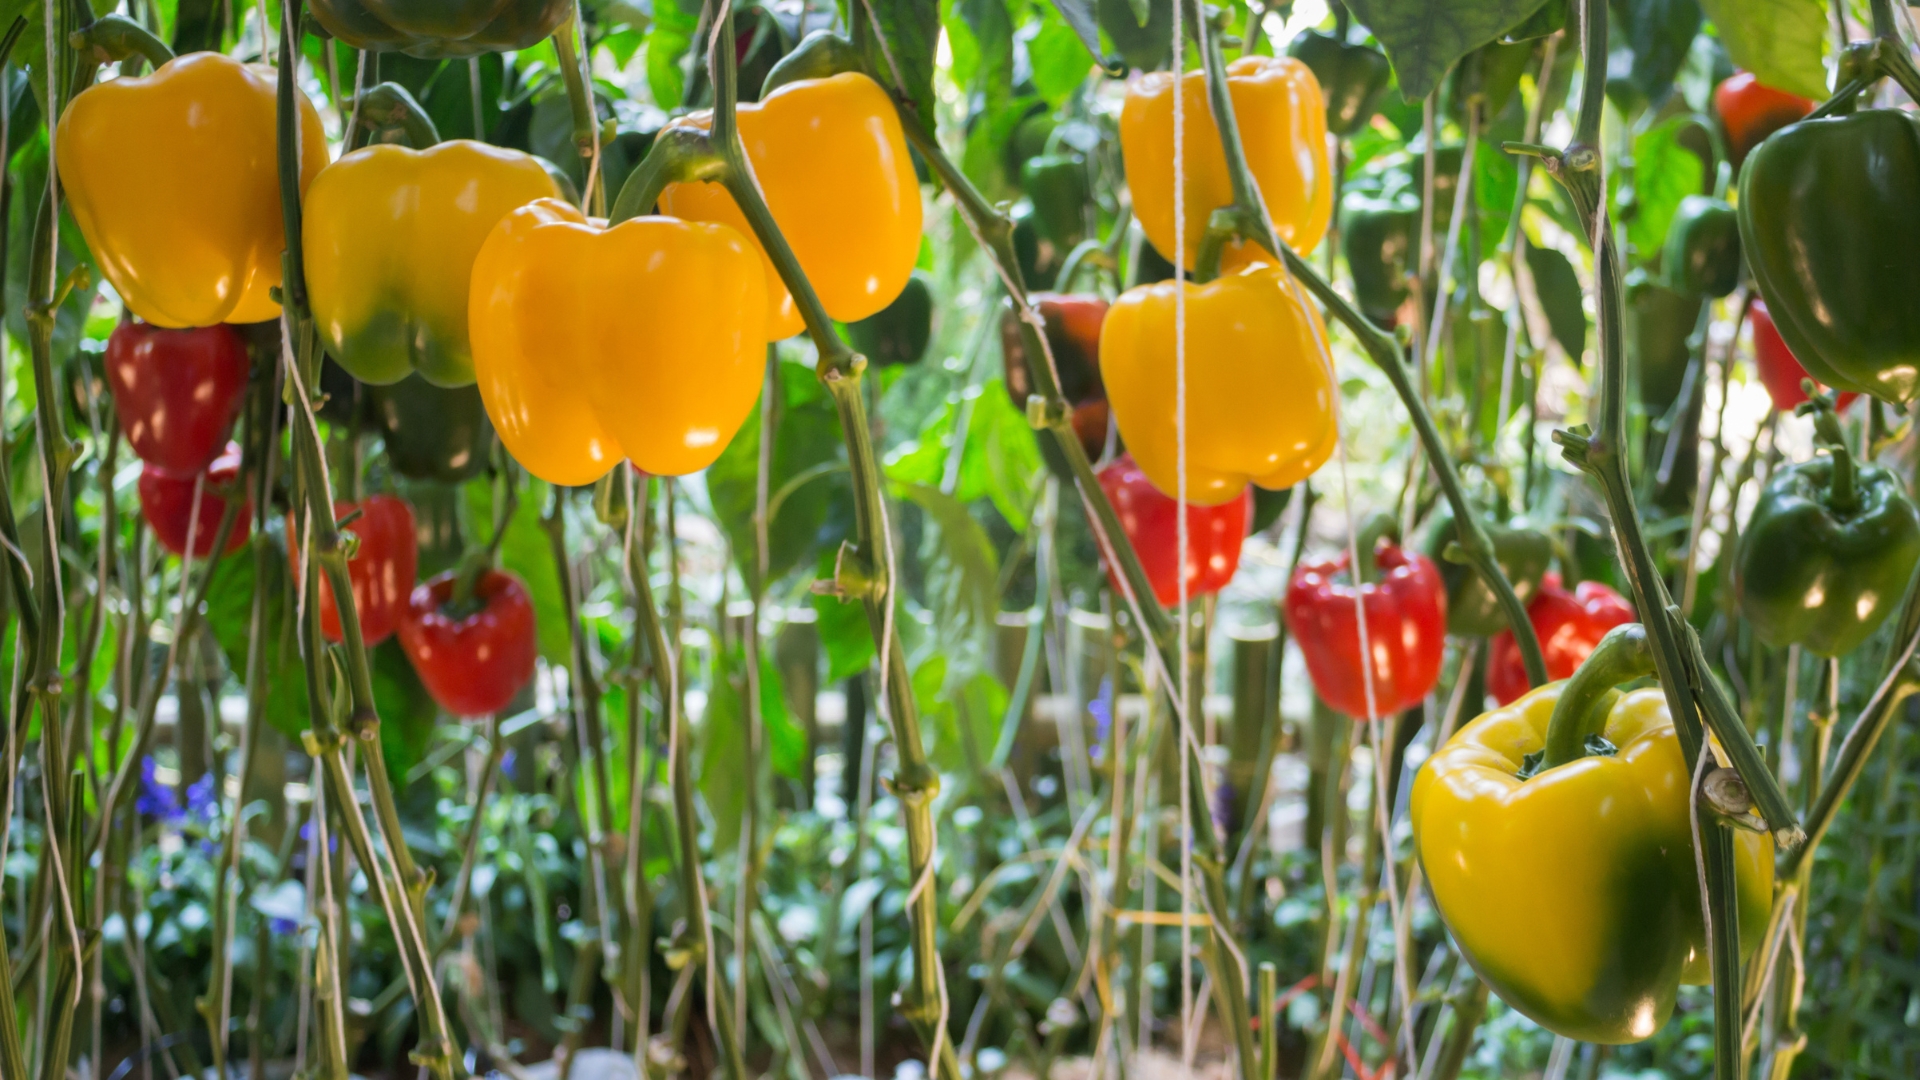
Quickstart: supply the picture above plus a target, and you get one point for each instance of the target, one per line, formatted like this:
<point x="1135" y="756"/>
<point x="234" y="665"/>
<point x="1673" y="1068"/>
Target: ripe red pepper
<point x="385" y="563"/>
<point x="166" y="501"/>
<point x="472" y="662"/>
<point x="1750" y="111"/>
<point x="1406" y="608"/>
<point x="1779" y="370"/>
<point x="1151" y="522"/>
<point x="177" y="392"/>
<point x="1569" y="625"/>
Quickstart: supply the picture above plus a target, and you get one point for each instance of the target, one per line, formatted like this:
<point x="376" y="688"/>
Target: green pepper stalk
<point x="388" y="113"/>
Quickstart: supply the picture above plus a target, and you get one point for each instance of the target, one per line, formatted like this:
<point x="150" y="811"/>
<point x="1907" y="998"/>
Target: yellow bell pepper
<point x="831" y="161"/>
<point x="174" y="181"/>
<point x="1282" y="118"/>
<point x="1574" y="892"/>
<point x="1260" y="384"/>
<point x="391" y="234"/>
<point x="643" y="341"/>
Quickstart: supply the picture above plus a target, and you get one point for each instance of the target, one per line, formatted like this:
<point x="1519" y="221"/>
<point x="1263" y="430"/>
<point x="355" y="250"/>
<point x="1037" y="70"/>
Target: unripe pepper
<point x="1353" y="77"/>
<point x="431" y="433"/>
<point x="473" y="658"/>
<point x="1259" y="391"/>
<point x="174" y="181"/>
<point x="831" y="161"/>
<point x="385" y="562"/>
<point x="1775" y="365"/>
<point x="176" y="392"/>
<point x="390" y="236"/>
<point x="1060" y="188"/>
<point x="1380" y="241"/>
<point x="1702" y="256"/>
<point x="1659" y="322"/>
<point x="1406" y="612"/>
<point x="1572" y="890"/>
<point x="1152" y="523"/>
<point x="1750" y="111"/>
<point x="1568" y="625"/>
<point x="167" y="502"/>
<point x="1829" y="549"/>
<point x="1472" y="609"/>
<point x="645" y="341"/>
<point x="1073" y="324"/>
<point x="436" y="30"/>
<point x="900" y="332"/>
<point x="1830" y="229"/>
<point x="1283" y="130"/>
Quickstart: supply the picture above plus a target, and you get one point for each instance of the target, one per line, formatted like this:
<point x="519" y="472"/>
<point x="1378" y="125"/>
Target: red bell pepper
<point x="1750" y="111"/>
<point x="1779" y="370"/>
<point x="1152" y="523"/>
<point x="176" y="392"/>
<point x="166" y="501"/>
<point x="1406" y="608"/>
<point x="1569" y="625"/>
<point x="473" y="658"/>
<point x="385" y="562"/>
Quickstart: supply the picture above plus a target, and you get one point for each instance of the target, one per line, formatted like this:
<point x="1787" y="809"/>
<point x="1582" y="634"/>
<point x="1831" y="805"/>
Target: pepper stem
<point x="1365" y="570"/>
<point x="388" y="114"/>
<point x="118" y="38"/>
<point x="1843" y="493"/>
<point x="1625" y="653"/>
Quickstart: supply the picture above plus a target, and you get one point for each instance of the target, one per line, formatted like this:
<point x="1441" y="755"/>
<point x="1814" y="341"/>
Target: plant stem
<point x="1587" y="699"/>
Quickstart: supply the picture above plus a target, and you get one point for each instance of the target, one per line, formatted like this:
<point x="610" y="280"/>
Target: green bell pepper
<point x="1831" y="227"/>
<point x="1829" y="550"/>
<point x="1354" y="78"/>
<point x="432" y="433"/>
<point x="1472" y="610"/>
<point x="898" y="333"/>
<point x="1702" y="256"/>
<point x="1058" y="186"/>
<point x="1380" y="240"/>
<point x="1659" y="321"/>
<point x="444" y="29"/>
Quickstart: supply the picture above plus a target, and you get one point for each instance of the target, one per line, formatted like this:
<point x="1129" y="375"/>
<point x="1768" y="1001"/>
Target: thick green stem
<point x="1588" y="697"/>
<point x="116" y="38"/>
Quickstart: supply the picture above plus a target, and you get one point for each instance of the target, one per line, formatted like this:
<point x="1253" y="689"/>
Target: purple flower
<point x="282" y="927"/>
<point x="156" y="800"/>
<point x="507" y="762"/>
<point x="201" y="802"/>
<point x="1102" y="709"/>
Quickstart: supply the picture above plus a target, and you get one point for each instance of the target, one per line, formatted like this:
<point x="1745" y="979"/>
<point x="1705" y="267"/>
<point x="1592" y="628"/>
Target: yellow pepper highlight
<point x="831" y="161"/>
<point x="1260" y="384"/>
<point x="590" y="344"/>
<point x="1574" y="892"/>
<point x="174" y="181"/>
<point x="391" y="234"/>
<point x="1282" y="118"/>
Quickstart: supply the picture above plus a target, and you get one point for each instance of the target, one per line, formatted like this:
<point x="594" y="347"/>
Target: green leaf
<point x="1659" y="33"/>
<point x="527" y="551"/>
<point x="1059" y="57"/>
<point x="1664" y="172"/>
<point x="1425" y="38"/>
<point x="1001" y="461"/>
<point x="667" y="45"/>
<point x="910" y="31"/>
<point x="963" y="580"/>
<point x="806" y="443"/>
<point x="230" y="618"/>
<point x="786" y="741"/>
<point x="1780" y="41"/>
<point x="407" y="711"/>
<point x="1143" y="44"/>
<point x="723" y="772"/>
<point x="1558" y="288"/>
<point x="1078" y="16"/>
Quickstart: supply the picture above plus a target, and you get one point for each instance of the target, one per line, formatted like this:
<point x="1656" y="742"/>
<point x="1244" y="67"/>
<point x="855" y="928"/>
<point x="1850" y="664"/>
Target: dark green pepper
<point x="432" y="433"/>
<point x="1472" y="609"/>
<point x="1831" y="229"/>
<point x="1379" y="240"/>
<point x="1354" y="78"/>
<point x="1703" y="247"/>
<point x="441" y="29"/>
<point x="898" y="333"/>
<point x="1039" y="257"/>
<point x="1446" y="178"/>
<point x="1058" y="187"/>
<point x="1829" y="550"/>
<point x="1659" y="322"/>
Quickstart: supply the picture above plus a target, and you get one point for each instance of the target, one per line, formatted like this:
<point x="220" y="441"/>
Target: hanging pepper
<point x="174" y="181"/>
<point x="1557" y="838"/>
<point x="390" y="236"/>
<point x="1283" y="130"/>
<point x="831" y="161"/>
<point x="176" y="392"/>
<point x="1152" y="523"/>
<point x="1568" y="626"/>
<point x="1472" y="609"/>
<point x="431" y="433"/>
<point x="900" y="332"/>
<point x="1380" y="241"/>
<point x="1659" y="322"/>
<point x="646" y="340"/>
<point x="1702" y="256"/>
<point x="1354" y="78"/>
<point x="435" y="31"/>
<point x="167" y="502"/>
<point x="381" y="571"/>
<point x="1830" y="227"/>
<point x="1406" y="609"/>
<point x="474" y="658"/>
<point x="1060" y="189"/>
<point x="1073" y="324"/>
<point x="1829" y="550"/>
<point x="1259" y="383"/>
<point x="1750" y="111"/>
<point x="1776" y="366"/>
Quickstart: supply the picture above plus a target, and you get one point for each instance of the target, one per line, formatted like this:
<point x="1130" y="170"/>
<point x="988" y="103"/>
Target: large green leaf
<point x="1425" y="38"/>
<point x="904" y="48"/>
<point x="1664" y="172"/>
<point x="1659" y="33"/>
<point x="1780" y="41"/>
<point x="1058" y="55"/>
<point x="962" y="578"/>
<point x="1558" y="288"/>
<point x="1001" y="461"/>
<point x="667" y="44"/>
<point x="806" y="443"/>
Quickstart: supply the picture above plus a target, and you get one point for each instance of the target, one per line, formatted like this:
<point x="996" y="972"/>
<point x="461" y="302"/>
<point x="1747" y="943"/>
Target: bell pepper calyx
<point x="1625" y="653"/>
<point x="389" y="114"/>
<point x="116" y="37"/>
<point x="679" y="155"/>
<point x="821" y="54"/>
<point x="1596" y="745"/>
<point x="1843" y="495"/>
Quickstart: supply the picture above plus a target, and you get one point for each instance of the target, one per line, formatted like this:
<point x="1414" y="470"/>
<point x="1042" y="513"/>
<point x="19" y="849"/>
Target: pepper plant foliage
<point x="857" y="750"/>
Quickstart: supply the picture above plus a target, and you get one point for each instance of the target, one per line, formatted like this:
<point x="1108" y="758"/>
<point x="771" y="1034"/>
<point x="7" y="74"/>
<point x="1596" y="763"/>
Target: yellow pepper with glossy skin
<point x="1282" y="117"/>
<point x="391" y="235"/>
<point x="831" y="161"/>
<point x="1574" y="892"/>
<point x="1260" y="384"/>
<point x="174" y="180"/>
<point x="642" y="341"/>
